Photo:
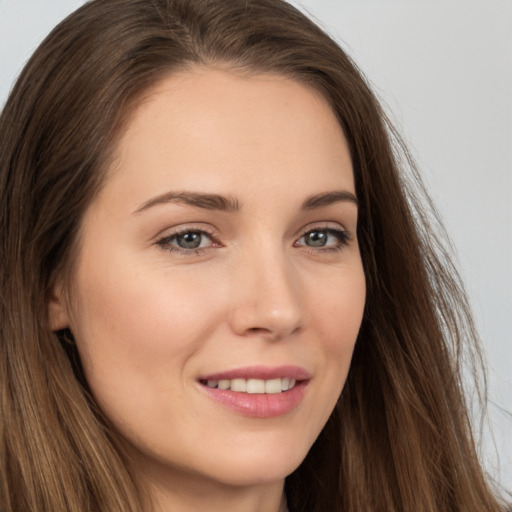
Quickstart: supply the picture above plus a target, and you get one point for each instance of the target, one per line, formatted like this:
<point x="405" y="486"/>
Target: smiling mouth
<point x="258" y="391"/>
<point x="253" y="386"/>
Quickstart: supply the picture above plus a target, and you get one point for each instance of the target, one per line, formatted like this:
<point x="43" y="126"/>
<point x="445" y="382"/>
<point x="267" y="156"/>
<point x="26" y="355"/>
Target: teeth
<point x="255" y="386"/>
<point x="252" y="386"/>
<point x="239" y="385"/>
<point x="273" y="386"/>
<point x="224" y="384"/>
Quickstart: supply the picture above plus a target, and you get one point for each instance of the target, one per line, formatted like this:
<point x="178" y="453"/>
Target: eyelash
<point x="343" y="238"/>
<point x="165" y="243"/>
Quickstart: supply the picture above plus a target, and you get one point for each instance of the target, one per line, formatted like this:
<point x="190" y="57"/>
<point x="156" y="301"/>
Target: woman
<point x="219" y="293"/>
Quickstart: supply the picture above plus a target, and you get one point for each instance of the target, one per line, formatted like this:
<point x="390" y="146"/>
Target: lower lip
<point x="259" y="405"/>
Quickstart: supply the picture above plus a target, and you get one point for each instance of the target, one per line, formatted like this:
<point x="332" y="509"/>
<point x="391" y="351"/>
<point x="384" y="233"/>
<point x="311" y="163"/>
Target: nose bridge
<point x="268" y="301"/>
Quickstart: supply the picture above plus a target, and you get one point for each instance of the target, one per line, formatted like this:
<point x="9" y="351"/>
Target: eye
<point x="186" y="241"/>
<point x="324" y="238"/>
<point x="190" y="240"/>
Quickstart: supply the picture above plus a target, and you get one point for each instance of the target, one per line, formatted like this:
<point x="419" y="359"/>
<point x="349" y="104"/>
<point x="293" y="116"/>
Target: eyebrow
<point x="328" y="198"/>
<point x="231" y="204"/>
<point x="197" y="199"/>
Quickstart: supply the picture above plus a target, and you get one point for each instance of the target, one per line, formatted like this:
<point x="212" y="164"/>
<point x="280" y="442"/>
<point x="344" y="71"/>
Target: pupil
<point x="189" y="240"/>
<point x="317" y="238"/>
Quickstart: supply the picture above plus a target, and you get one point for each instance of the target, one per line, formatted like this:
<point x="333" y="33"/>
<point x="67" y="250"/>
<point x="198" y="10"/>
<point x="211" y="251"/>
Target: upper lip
<point x="261" y="372"/>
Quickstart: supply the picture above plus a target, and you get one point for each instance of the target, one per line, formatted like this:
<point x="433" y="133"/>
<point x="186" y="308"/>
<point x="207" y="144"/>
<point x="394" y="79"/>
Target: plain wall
<point x="444" y="70"/>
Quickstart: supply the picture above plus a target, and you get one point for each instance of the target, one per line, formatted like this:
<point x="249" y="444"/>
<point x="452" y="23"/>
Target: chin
<point x="261" y="465"/>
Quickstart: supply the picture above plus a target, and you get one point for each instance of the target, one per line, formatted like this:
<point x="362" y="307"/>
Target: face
<point x="218" y="290"/>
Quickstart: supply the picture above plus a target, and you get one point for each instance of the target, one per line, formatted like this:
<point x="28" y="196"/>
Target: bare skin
<point x="223" y="239"/>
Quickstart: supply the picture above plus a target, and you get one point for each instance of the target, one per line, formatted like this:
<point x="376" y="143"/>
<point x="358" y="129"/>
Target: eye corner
<point x="324" y="238"/>
<point x="188" y="241"/>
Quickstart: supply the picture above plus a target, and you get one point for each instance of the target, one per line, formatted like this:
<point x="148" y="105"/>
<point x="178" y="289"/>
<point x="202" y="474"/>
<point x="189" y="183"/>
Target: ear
<point x="58" y="316"/>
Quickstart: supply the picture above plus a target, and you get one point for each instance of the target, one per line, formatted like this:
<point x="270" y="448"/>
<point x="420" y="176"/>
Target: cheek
<point x="339" y="312"/>
<point x="135" y="331"/>
<point x="342" y="317"/>
<point x="139" y="332"/>
<point x="139" y="310"/>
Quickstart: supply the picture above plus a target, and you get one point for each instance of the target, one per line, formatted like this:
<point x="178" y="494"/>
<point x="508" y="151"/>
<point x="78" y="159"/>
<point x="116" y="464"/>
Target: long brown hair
<point x="399" y="437"/>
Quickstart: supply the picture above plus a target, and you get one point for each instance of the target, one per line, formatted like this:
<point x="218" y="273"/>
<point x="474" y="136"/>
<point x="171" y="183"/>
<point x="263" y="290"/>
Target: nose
<point x="267" y="302"/>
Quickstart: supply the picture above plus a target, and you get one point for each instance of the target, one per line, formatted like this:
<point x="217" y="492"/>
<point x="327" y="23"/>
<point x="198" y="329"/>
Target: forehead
<point x="205" y="126"/>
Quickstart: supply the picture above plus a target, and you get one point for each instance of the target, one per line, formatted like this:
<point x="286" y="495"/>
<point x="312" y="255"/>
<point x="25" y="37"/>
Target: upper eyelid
<point x="327" y="225"/>
<point x="330" y="226"/>
<point x="175" y="231"/>
<point x="164" y="243"/>
<point x="207" y="228"/>
<point x="163" y="240"/>
<point x="169" y="233"/>
<point x="346" y="233"/>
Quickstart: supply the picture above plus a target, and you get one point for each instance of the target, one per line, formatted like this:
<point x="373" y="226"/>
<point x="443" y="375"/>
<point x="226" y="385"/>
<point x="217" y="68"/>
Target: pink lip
<point x="259" y="405"/>
<point x="261" y="372"/>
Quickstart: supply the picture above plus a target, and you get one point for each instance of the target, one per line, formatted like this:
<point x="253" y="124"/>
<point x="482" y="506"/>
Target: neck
<point x="190" y="493"/>
<point x="222" y="500"/>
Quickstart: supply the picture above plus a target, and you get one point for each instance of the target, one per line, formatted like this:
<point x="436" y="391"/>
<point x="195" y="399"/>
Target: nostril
<point x="270" y="334"/>
<point x="267" y="311"/>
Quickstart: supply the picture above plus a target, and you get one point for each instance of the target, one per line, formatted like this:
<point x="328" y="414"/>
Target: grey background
<point x="443" y="68"/>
